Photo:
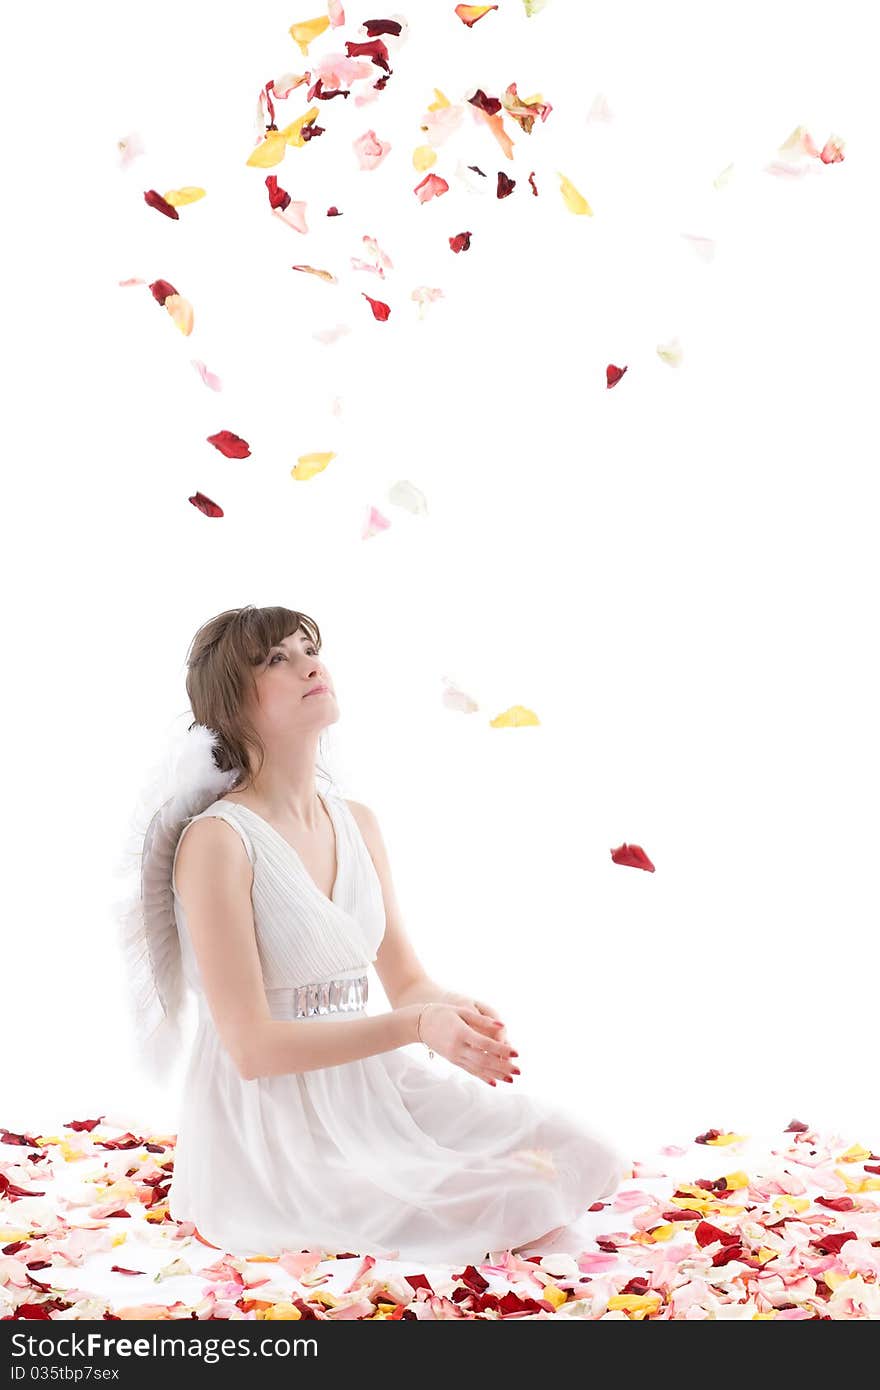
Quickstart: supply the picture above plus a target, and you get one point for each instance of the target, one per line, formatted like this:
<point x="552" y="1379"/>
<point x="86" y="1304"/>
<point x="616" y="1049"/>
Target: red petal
<point x="872" y="1167"/>
<point x="633" y="856"/>
<point x="707" y="1234"/>
<point x="505" y="185"/>
<point x="161" y="289"/>
<point x="532" y="182"/>
<point x="830" y="1244"/>
<point x="682" y="1214"/>
<point x="710" y="1134"/>
<point x="229" y="444"/>
<point x="278" y="197"/>
<point x="375" y="50"/>
<point x="308" y="132"/>
<point x="613" y="374"/>
<point x="374" y="27"/>
<point x="836" y="1203"/>
<point x="155" y="200"/>
<point x="333" y="212"/>
<point x="796" y="1127"/>
<point x="460" y="242"/>
<point x="380" y="310"/>
<point x="731" y="1252"/>
<point x="491" y="105"/>
<point x="205" y="504"/>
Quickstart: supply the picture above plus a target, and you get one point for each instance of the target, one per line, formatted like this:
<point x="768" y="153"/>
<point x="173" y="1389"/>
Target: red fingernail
<point x="513" y="1054"/>
<point x="491" y="1083"/>
<point x="508" y="1078"/>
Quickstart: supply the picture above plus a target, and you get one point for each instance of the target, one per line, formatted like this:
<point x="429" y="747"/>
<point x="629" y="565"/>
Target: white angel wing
<point x="186" y="781"/>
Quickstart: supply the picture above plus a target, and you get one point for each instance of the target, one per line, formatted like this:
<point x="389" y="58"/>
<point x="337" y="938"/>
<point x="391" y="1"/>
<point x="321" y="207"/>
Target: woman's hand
<point x="449" y="997"/>
<point x="468" y="1037"/>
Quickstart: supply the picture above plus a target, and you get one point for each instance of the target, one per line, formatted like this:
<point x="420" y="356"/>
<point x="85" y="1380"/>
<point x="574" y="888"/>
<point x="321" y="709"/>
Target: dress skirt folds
<point x="389" y="1153"/>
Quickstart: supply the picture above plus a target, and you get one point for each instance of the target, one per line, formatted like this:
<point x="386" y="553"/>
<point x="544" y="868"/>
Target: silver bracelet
<point x="419" y="1028"/>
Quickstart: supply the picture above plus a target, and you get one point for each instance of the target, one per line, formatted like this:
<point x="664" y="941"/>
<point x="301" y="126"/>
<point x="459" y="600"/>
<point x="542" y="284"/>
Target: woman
<point x="302" y="1123"/>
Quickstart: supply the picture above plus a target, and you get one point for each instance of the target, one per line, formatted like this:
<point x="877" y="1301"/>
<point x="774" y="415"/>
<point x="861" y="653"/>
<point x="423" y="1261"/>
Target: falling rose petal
<point x="207" y="377"/>
<point x="431" y="186"/>
<point x="308" y="465"/>
<point x="336" y="71"/>
<point x="671" y="352"/>
<point x="723" y="179"/>
<point x="374" y="27"/>
<point x="613" y="374"/>
<point x="441" y="119"/>
<point x="333" y="212"/>
<point x="796" y="1127"/>
<point x="380" y="311"/>
<point x="525" y="110"/>
<point x="181" y="312"/>
<point x="799" y="144"/>
<point x="129" y="147"/>
<point x="469" y="14"/>
<point x="269" y="151"/>
<point x="703" y="245"/>
<point x="375" y="50"/>
<point x="232" y="446"/>
<point x="294" y="215"/>
<point x="381" y="258"/>
<point x="283" y="86"/>
<point x="155" y="200"/>
<point x="534" y="186"/>
<point x="183" y="197"/>
<point x="533" y="7"/>
<point x="496" y="125"/>
<point x="370" y="150"/>
<point x="135" y="280"/>
<point x="374" y="523"/>
<point x="331" y="335"/>
<point x="304" y="32"/>
<point x="460" y="242"/>
<point x="425" y="295"/>
<point x="336" y="13"/>
<point x="794" y="169"/>
<point x="472" y="177"/>
<point x="574" y="201"/>
<point x="423" y="158"/>
<point x="632" y="857"/>
<point x="321" y="274"/>
<point x="278" y="196"/>
<point x="205" y="504"/>
<point x="407" y="495"/>
<point x="832" y="150"/>
<point x="516" y="717"/>
<point x="600" y="110"/>
<point x="505" y="185"/>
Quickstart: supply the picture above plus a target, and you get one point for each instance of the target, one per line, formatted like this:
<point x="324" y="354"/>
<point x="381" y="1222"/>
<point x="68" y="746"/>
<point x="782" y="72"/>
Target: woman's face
<point x="284" y="680"/>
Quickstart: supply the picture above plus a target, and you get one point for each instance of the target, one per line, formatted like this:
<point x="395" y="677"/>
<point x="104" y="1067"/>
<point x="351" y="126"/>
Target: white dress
<point x="393" y="1152"/>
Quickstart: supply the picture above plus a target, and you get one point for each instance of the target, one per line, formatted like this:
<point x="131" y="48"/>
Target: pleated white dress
<point x="394" y="1152"/>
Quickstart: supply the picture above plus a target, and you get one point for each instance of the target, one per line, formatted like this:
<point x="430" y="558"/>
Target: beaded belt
<point x="330" y="997"/>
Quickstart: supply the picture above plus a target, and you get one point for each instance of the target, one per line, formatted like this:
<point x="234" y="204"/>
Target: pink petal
<point x="294" y="215"/>
<point x="431" y="186"/>
<point x="207" y="377"/>
<point x="370" y="150"/>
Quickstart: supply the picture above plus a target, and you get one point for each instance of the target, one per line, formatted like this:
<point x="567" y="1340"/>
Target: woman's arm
<point x="214" y="880"/>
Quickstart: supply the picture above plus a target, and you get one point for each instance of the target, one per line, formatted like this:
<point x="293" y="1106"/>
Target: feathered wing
<point x="185" y="782"/>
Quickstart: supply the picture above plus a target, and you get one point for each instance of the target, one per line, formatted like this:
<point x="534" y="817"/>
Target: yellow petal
<point x="856" y="1154"/>
<point x="574" y="201"/>
<point x="269" y="151"/>
<point x="723" y="179"/>
<point x="328" y="1299"/>
<point x="665" y="1232"/>
<point x="514" y="718"/>
<point x="670" y="352"/>
<point x="727" y="1139"/>
<point x="293" y="133"/>
<point x="279" y="1311"/>
<point x="766" y="1317"/>
<point x="424" y="157"/>
<point x="9" y="1233"/>
<point x="858" y="1184"/>
<point x="792" y="1203"/>
<point x="180" y="310"/>
<point x="636" y="1302"/>
<point x="765" y="1254"/>
<point x="554" y="1295"/>
<point x="736" y="1180"/>
<point x="310" y="464"/>
<point x="180" y="197"/>
<point x="308" y="29"/>
<point x="440" y="102"/>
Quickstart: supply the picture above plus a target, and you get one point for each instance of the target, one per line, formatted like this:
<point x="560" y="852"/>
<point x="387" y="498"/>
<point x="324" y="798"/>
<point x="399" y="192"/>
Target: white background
<point x="679" y="575"/>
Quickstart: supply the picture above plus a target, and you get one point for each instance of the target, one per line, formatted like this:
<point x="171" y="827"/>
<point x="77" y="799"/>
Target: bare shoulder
<point x="368" y="825"/>
<point x="210" y="847"/>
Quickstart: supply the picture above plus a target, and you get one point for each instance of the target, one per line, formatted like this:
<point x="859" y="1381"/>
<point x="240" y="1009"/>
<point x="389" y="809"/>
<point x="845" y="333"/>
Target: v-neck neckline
<point x="295" y="852"/>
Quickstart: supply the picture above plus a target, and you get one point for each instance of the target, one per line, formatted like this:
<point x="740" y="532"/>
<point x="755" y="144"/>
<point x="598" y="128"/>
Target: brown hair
<point x="220" y="677"/>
